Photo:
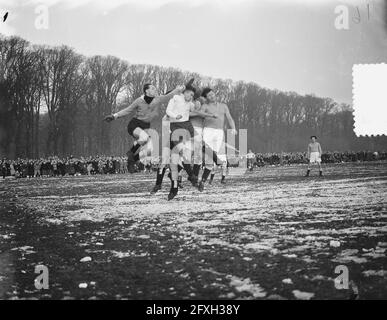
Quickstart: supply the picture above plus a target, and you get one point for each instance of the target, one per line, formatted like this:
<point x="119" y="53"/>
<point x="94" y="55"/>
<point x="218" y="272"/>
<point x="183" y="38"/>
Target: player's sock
<point x="211" y="178"/>
<point x="160" y="176"/>
<point x="215" y="158"/>
<point x="188" y="169"/>
<point x="133" y="157"/>
<point x="174" y="190"/>
<point x="321" y="173"/>
<point x="131" y="162"/>
<point x="134" y="151"/>
<point x="179" y="182"/>
<point x="135" y="148"/>
<point x="307" y="173"/>
<point x="205" y="175"/>
<point x="223" y="179"/>
<point x="196" y="169"/>
<point x="191" y="177"/>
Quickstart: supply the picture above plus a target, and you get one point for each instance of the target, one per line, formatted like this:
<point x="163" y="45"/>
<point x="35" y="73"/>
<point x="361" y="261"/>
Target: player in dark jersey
<point x="146" y="108"/>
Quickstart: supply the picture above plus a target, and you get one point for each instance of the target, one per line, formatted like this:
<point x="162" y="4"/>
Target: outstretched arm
<point x="166" y="97"/>
<point x="160" y="100"/>
<point x="195" y="113"/>
<point x="122" y="113"/>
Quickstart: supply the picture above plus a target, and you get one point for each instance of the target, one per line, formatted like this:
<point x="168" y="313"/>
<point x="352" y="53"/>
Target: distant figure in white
<point x="314" y="154"/>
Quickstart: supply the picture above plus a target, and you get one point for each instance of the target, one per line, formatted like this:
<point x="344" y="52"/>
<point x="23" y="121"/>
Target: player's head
<point x="189" y="93"/>
<point x="313" y="138"/>
<point x="150" y="90"/>
<point x="209" y="94"/>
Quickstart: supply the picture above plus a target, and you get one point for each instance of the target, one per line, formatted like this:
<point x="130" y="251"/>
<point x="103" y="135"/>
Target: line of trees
<point x="53" y="100"/>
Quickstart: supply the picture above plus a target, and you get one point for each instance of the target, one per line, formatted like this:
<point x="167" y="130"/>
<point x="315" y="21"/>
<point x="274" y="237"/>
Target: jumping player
<point x="198" y="123"/>
<point x="146" y="109"/>
<point x="165" y="156"/>
<point x="314" y="155"/>
<point x="213" y="133"/>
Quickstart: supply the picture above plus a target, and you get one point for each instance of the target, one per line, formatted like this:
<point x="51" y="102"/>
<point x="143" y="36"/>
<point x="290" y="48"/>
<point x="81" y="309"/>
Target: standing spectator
<point x="37" y="166"/>
<point x="3" y="168"/>
<point x="250" y="160"/>
<point x="12" y="168"/>
<point x="89" y="168"/>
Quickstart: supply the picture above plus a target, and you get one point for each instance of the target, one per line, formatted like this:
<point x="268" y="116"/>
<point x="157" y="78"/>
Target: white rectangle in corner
<point x="370" y="98"/>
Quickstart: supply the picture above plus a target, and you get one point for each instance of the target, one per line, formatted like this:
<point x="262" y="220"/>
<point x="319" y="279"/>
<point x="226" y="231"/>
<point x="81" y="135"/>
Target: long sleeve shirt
<point x="144" y="111"/>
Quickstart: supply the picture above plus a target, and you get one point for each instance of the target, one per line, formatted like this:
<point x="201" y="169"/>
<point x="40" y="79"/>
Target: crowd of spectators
<point x="54" y="166"/>
<point x="288" y="158"/>
<point x="72" y="166"/>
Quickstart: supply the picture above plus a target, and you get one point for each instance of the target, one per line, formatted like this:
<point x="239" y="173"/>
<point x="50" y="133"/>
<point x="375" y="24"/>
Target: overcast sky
<point x="290" y="45"/>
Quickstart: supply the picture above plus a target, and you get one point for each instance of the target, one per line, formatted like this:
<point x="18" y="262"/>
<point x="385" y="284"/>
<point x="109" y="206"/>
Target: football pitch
<point x="268" y="234"/>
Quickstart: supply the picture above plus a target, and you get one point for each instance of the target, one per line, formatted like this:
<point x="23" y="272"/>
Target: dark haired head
<point x="197" y="94"/>
<point x="205" y="92"/>
<point x="190" y="88"/>
<point x="313" y="137"/>
<point x="146" y="87"/>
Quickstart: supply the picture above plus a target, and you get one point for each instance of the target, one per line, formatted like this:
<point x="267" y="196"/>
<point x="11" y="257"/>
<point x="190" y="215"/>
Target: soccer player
<point x="146" y="109"/>
<point x="165" y="156"/>
<point x="179" y="110"/>
<point x="198" y="123"/>
<point x="250" y="160"/>
<point x="213" y="133"/>
<point x="314" y="154"/>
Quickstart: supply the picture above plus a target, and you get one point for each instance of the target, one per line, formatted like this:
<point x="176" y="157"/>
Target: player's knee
<point x="142" y="136"/>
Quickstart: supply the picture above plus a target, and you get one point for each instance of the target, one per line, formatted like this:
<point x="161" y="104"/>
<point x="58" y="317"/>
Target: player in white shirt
<point x="179" y="110"/>
<point x="165" y="156"/>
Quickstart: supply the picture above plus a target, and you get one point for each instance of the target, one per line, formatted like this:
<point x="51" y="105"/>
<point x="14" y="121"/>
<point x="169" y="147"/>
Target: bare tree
<point x="107" y="76"/>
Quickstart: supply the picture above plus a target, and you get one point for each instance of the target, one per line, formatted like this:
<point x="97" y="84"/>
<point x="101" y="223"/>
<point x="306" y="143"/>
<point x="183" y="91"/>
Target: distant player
<point x="250" y="160"/>
<point x="213" y="133"/>
<point x="314" y="155"/>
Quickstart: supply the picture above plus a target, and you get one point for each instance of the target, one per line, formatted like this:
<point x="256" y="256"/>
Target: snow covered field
<point x="270" y="234"/>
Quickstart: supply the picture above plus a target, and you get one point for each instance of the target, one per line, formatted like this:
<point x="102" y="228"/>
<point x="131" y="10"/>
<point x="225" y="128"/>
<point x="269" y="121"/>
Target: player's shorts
<point x="136" y="123"/>
<point x="198" y="132"/>
<point x="214" y="138"/>
<point x="315" y="157"/>
<point x="189" y="132"/>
